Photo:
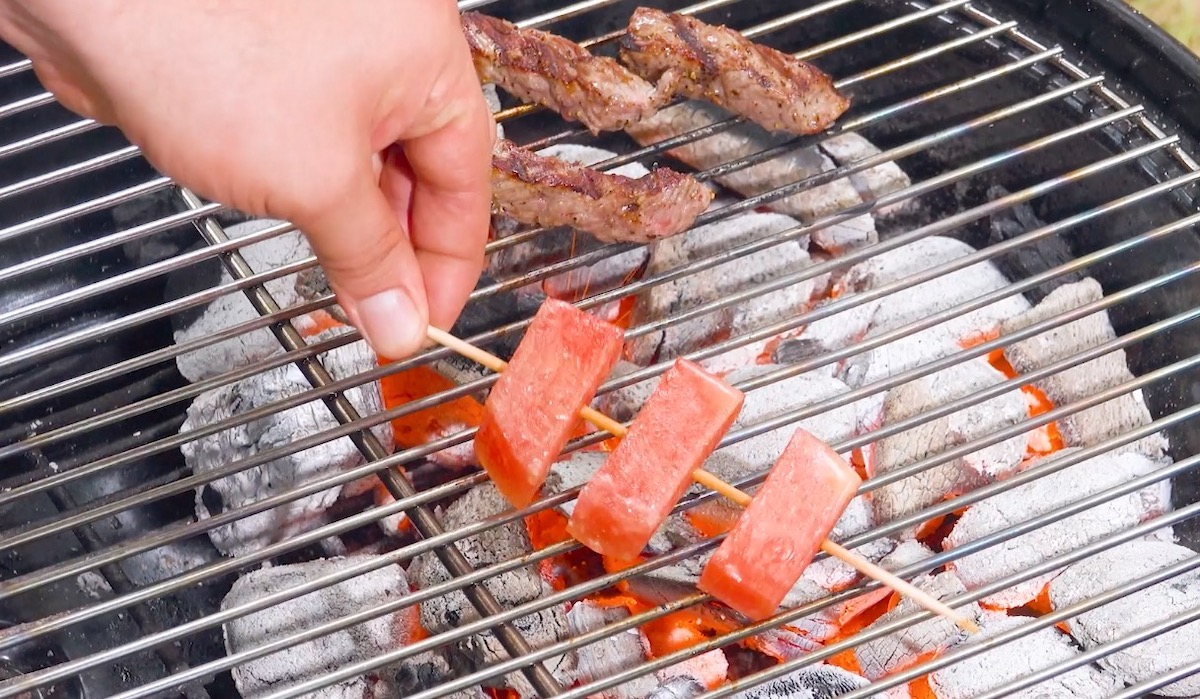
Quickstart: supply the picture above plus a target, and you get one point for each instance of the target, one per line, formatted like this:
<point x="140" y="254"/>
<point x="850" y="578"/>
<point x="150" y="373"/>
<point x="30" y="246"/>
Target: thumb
<point x="370" y="264"/>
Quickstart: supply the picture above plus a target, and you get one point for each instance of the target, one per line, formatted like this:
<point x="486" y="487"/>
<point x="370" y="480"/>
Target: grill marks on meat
<point x="540" y="67"/>
<point x="717" y="64"/>
<point x="549" y="192"/>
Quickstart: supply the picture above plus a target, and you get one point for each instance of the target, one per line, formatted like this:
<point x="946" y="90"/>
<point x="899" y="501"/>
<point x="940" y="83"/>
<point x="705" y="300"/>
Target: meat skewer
<point x="711" y="482"/>
<point x="715" y="63"/>
<point x="540" y="67"/>
<point x="549" y="192"/>
<point x="666" y="55"/>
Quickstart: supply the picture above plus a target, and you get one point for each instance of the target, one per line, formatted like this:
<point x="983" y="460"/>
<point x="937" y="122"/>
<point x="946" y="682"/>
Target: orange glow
<point x="321" y="321"/>
<point x="676" y="631"/>
<point x="712" y="518"/>
<point x="920" y="689"/>
<point x="1043" y="440"/>
<point x="423" y="426"/>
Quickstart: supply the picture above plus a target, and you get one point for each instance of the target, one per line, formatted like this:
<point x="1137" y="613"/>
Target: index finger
<point x="451" y="199"/>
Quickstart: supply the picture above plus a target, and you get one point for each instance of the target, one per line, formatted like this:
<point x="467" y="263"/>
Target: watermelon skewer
<point x="739" y="497"/>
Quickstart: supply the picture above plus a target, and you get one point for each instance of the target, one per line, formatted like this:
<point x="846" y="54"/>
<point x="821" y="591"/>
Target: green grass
<point x="1179" y="17"/>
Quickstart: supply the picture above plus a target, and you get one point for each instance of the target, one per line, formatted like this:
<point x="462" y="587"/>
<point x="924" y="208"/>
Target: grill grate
<point x="100" y="410"/>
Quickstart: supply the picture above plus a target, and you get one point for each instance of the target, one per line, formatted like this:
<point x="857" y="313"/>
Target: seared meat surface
<point x="546" y="191"/>
<point x="686" y="57"/>
<point x="542" y="68"/>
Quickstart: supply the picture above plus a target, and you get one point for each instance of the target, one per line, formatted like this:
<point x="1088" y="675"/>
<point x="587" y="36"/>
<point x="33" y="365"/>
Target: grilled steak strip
<point x="549" y="192"/>
<point x="542" y="68"/>
<point x="689" y="58"/>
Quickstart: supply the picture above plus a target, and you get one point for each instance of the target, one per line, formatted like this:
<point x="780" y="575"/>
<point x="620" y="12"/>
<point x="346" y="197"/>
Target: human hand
<point x="361" y="123"/>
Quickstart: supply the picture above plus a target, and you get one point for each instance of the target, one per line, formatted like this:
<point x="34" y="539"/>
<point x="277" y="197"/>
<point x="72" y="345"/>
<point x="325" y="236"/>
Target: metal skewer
<point x="711" y="482"/>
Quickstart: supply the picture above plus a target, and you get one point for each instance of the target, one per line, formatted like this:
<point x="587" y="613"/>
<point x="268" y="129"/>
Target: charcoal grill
<point x="1027" y="129"/>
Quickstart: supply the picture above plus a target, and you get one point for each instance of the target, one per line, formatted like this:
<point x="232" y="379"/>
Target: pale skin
<point x="360" y="122"/>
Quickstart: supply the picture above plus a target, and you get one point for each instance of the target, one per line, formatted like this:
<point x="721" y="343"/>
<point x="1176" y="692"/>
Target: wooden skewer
<point x="739" y="497"/>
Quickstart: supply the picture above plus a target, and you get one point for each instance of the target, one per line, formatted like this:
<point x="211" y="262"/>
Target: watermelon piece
<point x="681" y="423"/>
<point x="777" y="536"/>
<point x="533" y="408"/>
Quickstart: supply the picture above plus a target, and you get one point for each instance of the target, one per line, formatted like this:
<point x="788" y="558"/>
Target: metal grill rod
<point x="750" y="32"/>
<point x="94" y="513"/>
<point x="62" y="174"/>
<point x="88" y="207"/>
<point x="1047" y="620"/>
<point x="809" y="273"/>
<point x="164" y="354"/>
<point x="368" y="445"/>
<point x="1035" y="472"/>
<point x="46" y="137"/>
<point x="140" y="274"/>
<point x="643" y="669"/>
<point x="101" y="329"/>
<point x="184" y="215"/>
<point x="850" y="257"/>
<point x="1071" y="69"/>
<point x="849" y="126"/>
<point x="1032" y="473"/>
<point x="16" y="67"/>
<point x="882" y="630"/>
<point x="95" y="245"/>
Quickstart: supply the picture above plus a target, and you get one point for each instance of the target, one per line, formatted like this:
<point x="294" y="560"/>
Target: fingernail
<point x="391" y="323"/>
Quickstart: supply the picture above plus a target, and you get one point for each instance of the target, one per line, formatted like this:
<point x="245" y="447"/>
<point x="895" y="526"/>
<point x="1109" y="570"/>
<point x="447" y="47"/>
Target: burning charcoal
<point x="511" y="588"/>
<point x="328" y="653"/>
<point x="573" y="471"/>
<point x="812" y="682"/>
<point x="1109" y="419"/>
<point x="1118" y="619"/>
<point x="826" y="336"/>
<point x="426" y="671"/>
<point x="933" y="437"/>
<point x="276" y="430"/>
<point x="678" y="688"/>
<point x="918" y="302"/>
<point x="844" y="237"/>
<point x="608" y="656"/>
<point x="764" y="403"/>
<point x="234" y="308"/>
<point x="557" y="244"/>
<point x="744" y="140"/>
<point x="717" y="282"/>
<point x="896" y="651"/>
<point x="1034" y="652"/>
<point x="872" y="183"/>
<point x="1039" y="497"/>
<point x="709" y="669"/>
<point x="624" y="403"/>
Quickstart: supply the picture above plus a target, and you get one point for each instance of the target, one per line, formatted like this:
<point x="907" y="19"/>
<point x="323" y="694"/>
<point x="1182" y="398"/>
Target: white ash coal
<point x="1019" y="658"/>
<point x="874" y="182"/>
<point x="624" y="403"/>
<point x="513" y="588"/>
<point x="557" y="244"/>
<point x="916" y="303"/>
<point x="608" y="656"/>
<point x="744" y="140"/>
<point x="757" y="454"/>
<point x="820" y="681"/>
<point x="1099" y="423"/>
<point x="1041" y="496"/>
<point x="708" y="669"/>
<point x="327" y="653"/>
<point x="827" y="335"/>
<point x="277" y="430"/>
<point x="1129" y="614"/>
<point x="933" y="437"/>
<point x="891" y="653"/>
<point x="718" y="282"/>
<point x="234" y="308"/>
